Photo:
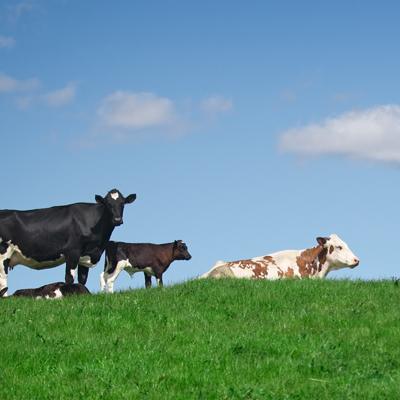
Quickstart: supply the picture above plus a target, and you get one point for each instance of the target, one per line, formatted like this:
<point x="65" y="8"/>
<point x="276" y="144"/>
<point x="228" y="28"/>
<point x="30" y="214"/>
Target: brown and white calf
<point x="55" y="290"/>
<point x="152" y="259"/>
<point x="332" y="253"/>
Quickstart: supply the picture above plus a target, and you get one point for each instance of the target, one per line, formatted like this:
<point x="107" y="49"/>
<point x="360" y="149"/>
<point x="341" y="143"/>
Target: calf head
<point x="115" y="202"/>
<point x="338" y="254"/>
<point x="180" y="251"/>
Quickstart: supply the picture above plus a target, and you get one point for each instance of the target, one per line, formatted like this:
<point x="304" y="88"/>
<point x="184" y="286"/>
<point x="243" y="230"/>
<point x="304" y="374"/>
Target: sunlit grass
<point x="207" y="339"/>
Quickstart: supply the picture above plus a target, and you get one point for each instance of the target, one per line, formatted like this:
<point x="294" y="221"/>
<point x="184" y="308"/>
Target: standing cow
<point x="152" y="259"/>
<point x="331" y="254"/>
<point x="74" y="234"/>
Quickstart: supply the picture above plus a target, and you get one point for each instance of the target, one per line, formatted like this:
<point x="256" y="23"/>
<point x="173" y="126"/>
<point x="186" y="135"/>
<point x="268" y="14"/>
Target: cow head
<point x="338" y="254"/>
<point x="114" y="202"/>
<point x="180" y="251"/>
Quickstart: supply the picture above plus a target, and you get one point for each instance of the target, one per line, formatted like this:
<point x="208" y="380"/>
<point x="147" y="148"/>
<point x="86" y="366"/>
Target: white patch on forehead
<point x="114" y="195"/>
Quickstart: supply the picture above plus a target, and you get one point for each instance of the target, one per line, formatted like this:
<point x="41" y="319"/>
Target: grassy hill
<point x="227" y="339"/>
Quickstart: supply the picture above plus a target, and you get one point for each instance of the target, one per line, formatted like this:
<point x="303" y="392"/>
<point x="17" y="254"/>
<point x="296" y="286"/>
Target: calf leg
<point x="159" y="280"/>
<point x="147" y="280"/>
<point x="102" y="282"/>
<point x="110" y="279"/>
<point x="83" y="273"/>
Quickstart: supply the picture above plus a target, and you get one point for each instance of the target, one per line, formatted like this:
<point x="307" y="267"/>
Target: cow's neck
<point x="311" y="262"/>
<point x="104" y="228"/>
<point x="166" y="257"/>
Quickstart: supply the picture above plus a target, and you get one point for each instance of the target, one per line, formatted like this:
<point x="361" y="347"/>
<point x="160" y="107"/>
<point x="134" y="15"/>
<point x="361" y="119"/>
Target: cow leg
<point x="3" y="277"/>
<point x="71" y="262"/>
<point x="102" y="282"/>
<point x="159" y="280"/>
<point x="147" y="280"/>
<point x="110" y="281"/>
<point x="83" y="273"/>
<point x="5" y="256"/>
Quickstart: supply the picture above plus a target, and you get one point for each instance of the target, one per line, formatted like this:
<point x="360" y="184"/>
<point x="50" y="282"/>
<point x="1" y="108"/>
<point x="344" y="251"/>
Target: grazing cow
<point x="331" y="254"/>
<point x="76" y="234"/>
<point x="51" y="291"/>
<point x="152" y="259"/>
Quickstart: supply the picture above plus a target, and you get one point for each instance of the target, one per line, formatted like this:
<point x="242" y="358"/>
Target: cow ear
<point x="322" y="240"/>
<point x="130" y="199"/>
<point x="99" y="199"/>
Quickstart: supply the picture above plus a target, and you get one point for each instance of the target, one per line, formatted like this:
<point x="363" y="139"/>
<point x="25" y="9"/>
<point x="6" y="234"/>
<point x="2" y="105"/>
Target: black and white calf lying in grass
<point x="55" y="290"/>
<point x="152" y="259"/>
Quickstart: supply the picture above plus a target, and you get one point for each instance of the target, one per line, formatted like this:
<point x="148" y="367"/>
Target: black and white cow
<point x="152" y="259"/>
<point x="74" y="234"/>
<point x="55" y="290"/>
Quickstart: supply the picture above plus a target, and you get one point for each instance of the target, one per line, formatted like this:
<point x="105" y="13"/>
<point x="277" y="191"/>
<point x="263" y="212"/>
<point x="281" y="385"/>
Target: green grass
<point x="207" y="339"/>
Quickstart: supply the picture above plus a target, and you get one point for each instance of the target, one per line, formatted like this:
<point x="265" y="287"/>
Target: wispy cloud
<point x="17" y="10"/>
<point x="10" y="84"/>
<point x="61" y="96"/>
<point x="288" y="96"/>
<point x="216" y="104"/>
<point x="136" y="111"/>
<point x="126" y="115"/>
<point x="372" y="134"/>
<point x="6" y="42"/>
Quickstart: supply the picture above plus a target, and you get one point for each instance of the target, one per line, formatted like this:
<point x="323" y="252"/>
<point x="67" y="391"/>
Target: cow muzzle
<point x="356" y="262"/>
<point x="118" y="221"/>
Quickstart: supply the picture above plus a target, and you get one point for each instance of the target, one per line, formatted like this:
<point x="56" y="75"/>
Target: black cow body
<point x="152" y="259"/>
<point x="51" y="291"/>
<point x="45" y="238"/>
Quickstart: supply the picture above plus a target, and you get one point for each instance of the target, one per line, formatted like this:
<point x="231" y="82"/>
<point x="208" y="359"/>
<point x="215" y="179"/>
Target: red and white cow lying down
<point x="332" y="253"/>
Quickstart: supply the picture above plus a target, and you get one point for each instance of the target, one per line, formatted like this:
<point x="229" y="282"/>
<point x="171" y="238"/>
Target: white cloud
<point x="9" y="84"/>
<point x="24" y="102"/>
<point x="372" y="134"/>
<point x="216" y="104"/>
<point x="60" y="97"/>
<point x="17" y="10"/>
<point x="6" y="41"/>
<point x="135" y="111"/>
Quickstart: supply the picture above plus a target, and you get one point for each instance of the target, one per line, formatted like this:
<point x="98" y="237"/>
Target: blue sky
<point x="244" y="127"/>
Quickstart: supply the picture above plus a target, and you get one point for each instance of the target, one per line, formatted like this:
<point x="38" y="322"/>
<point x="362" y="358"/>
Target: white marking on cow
<point x="73" y="273"/>
<point x="109" y="279"/>
<point x="86" y="261"/>
<point x="17" y="257"/>
<point x="114" y="195"/>
<point x="57" y="295"/>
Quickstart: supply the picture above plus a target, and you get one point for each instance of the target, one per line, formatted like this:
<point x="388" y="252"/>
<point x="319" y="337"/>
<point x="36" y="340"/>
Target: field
<point x="227" y="339"/>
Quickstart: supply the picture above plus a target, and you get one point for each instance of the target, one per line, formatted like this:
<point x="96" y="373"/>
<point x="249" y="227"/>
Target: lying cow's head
<point x="181" y="251"/>
<point x="114" y="203"/>
<point x="338" y="254"/>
